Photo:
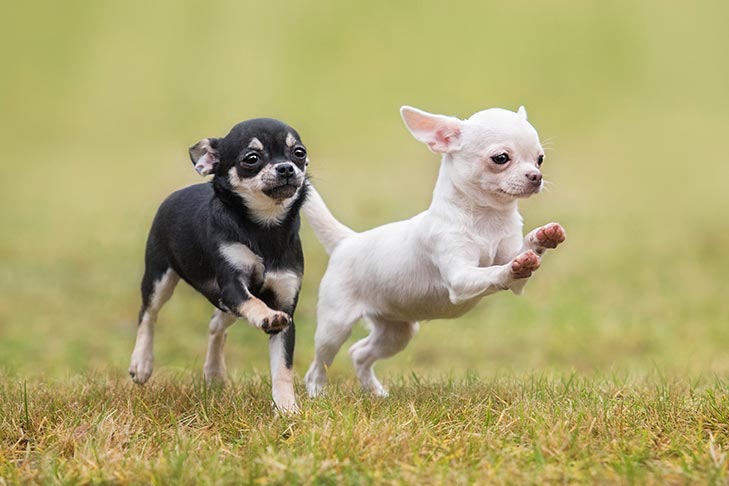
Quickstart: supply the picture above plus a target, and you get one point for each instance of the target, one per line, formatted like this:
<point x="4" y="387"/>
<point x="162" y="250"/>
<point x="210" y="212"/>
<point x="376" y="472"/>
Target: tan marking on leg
<point x="214" y="368"/>
<point x="256" y="312"/>
<point x="283" y="391"/>
<point x="142" y="360"/>
<point x="282" y="378"/>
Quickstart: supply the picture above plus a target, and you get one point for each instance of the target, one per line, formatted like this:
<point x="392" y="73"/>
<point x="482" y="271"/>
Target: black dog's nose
<point x="534" y="177"/>
<point x="285" y="170"/>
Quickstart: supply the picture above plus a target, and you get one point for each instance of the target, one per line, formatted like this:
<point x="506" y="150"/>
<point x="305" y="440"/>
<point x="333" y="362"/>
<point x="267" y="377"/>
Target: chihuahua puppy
<point x="439" y="264"/>
<point x="235" y="240"/>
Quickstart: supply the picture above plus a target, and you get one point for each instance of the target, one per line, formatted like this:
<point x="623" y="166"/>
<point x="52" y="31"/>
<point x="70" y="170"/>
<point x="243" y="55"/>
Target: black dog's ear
<point x="204" y="156"/>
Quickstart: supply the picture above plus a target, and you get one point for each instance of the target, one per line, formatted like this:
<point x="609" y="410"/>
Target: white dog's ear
<point x="522" y="112"/>
<point x="204" y="156"/>
<point x="439" y="132"/>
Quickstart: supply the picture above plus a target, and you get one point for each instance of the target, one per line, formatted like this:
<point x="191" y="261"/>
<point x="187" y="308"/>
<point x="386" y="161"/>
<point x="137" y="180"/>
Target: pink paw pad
<point x="523" y="265"/>
<point x="551" y="235"/>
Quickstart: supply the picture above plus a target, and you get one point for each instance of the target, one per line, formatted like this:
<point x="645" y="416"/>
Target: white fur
<point x="438" y="264"/>
<point x="329" y="231"/>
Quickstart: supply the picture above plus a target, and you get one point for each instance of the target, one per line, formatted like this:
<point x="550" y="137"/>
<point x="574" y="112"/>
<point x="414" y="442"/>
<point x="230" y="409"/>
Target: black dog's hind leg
<point x="158" y="284"/>
<point x="214" y="369"/>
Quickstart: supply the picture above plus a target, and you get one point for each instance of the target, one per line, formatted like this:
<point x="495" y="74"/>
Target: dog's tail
<point x="326" y="227"/>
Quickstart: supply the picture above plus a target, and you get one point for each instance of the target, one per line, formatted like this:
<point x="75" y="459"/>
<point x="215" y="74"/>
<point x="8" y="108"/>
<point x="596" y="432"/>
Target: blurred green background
<point x="100" y="100"/>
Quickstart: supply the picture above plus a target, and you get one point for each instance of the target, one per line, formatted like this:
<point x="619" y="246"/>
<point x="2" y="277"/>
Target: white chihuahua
<point x="439" y="264"/>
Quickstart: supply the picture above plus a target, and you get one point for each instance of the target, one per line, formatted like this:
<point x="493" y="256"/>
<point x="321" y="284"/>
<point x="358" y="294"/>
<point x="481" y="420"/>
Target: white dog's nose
<point x="534" y="177"/>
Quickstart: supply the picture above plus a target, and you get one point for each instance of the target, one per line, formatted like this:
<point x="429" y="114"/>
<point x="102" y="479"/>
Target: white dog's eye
<point x="500" y="159"/>
<point x="540" y="159"/>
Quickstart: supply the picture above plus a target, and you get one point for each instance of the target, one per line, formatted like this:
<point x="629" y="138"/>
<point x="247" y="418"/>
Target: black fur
<point x="193" y="223"/>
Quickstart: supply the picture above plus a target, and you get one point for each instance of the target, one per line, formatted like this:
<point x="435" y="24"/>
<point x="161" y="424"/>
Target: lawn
<point x="612" y="367"/>
<point x="446" y="430"/>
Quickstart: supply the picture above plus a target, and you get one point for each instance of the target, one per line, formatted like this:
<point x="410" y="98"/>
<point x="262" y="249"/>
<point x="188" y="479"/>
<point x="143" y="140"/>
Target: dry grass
<point x="513" y="429"/>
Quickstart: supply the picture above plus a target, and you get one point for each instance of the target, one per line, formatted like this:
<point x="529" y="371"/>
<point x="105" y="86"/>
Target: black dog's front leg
<point x="272" y="314"/>
<point x="281" y="293"/>
<point x="238" y="300"/>
<point x="281" y="351"/>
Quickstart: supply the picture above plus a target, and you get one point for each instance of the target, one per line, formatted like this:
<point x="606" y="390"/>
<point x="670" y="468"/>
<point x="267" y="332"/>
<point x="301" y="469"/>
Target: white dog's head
<point x="494" y="156"/>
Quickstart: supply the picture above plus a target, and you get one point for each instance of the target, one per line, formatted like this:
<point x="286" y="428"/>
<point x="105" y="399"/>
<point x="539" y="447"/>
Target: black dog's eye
<point x="500" y="159"/>
<point x="299" y="152"/>
<point x="540" y="159"/>
<point x="251" y="159"/>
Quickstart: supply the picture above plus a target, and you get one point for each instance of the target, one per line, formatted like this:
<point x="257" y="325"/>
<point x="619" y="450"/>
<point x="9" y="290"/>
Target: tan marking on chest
<point x="241" y="257"/>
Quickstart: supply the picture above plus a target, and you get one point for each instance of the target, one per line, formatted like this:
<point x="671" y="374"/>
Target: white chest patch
<point x="285" y="284"/>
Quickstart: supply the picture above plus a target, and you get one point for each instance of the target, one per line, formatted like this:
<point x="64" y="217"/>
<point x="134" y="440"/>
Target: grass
<point x="611" y="368"/>
<point x="504" y="429"/>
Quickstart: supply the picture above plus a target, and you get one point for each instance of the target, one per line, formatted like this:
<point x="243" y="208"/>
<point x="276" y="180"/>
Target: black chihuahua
<point x="235" y="240"/>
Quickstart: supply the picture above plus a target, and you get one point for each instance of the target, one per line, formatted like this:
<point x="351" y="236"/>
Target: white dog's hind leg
<point x="140" y="368"/>
<point x="333" y="328"/>
<point x="214" y="368"/>
<point x="386" y="339"/>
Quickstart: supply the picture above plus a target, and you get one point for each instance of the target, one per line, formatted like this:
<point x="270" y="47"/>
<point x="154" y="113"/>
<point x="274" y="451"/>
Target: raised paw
<point x="523" y="265"/>
<point x="550" y="235"/>
<point x="275" y="322"/>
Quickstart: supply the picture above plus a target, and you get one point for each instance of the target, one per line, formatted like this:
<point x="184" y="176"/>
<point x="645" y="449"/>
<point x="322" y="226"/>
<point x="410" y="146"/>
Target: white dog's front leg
<point x="538" y="240"/>
<point x="466" y="283"/>
<point x="545" y="237"/>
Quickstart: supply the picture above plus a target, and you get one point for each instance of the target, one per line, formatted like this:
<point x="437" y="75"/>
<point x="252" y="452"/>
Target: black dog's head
<point x="263" y="160"/>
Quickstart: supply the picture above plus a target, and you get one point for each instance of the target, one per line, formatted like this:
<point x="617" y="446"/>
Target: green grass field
<point x="612" y="367"/>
